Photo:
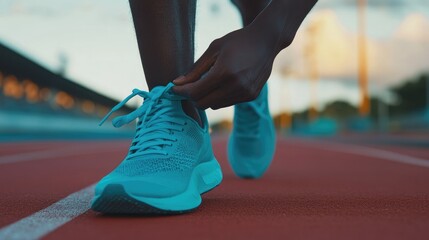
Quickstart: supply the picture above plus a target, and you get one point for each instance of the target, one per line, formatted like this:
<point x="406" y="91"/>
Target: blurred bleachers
<point x="36" y="100"/>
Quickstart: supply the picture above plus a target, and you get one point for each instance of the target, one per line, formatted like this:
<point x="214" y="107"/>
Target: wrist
<point x="280" y="20"/>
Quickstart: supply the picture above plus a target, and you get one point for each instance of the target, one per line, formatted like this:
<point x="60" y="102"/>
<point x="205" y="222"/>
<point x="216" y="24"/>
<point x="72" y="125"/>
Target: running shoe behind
<point x="252" y="142"/>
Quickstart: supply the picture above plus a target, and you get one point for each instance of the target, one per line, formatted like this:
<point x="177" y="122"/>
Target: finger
<point x="179" y="80"/>
<point x="217" y="99"/>
<point x="200" y="88"/>
<point x="201" y="66"/>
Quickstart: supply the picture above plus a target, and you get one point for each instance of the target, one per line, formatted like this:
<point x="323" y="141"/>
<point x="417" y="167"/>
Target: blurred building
<point x="35" y="98"/>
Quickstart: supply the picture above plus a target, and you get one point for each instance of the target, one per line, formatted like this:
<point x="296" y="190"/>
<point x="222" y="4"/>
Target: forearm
<point x="280" y="21"/>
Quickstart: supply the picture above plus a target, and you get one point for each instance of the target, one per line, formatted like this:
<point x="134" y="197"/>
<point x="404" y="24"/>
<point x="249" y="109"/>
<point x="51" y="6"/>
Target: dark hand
<point x="235" y="67"/>
<point x="232" y="70"/>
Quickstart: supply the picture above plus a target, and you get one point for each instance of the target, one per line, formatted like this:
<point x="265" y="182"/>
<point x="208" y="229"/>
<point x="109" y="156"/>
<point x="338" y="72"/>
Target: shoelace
<point x="156" y="125"/>
<point x="246" y="115"/>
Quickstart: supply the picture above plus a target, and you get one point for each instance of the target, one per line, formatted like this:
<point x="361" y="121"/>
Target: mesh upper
<point x="184" y="155"/>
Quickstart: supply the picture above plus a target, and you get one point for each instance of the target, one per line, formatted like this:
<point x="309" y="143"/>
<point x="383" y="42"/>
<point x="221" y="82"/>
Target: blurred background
<point x="355" y="67"/>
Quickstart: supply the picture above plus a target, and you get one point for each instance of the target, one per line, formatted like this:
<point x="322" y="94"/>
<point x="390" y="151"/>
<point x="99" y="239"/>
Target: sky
<point x="98" y="39"/>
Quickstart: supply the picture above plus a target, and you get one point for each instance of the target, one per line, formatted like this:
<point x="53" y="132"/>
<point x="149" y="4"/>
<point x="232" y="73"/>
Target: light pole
<point x="364" y="107"/>
<point x="310" y="53"/>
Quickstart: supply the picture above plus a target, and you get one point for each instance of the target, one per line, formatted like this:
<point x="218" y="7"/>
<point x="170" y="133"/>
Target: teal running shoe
<point x="170" y="162"/>
<point x="252" y="142"/>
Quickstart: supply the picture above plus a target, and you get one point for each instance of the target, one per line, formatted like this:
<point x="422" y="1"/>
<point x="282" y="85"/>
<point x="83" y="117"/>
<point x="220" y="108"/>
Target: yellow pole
<point x="286" y="115"/>
<point x="314" y="80"/>
<point x="311" y="55"/>
<point x="364" y="107"/>
<point x="285" y="120"/>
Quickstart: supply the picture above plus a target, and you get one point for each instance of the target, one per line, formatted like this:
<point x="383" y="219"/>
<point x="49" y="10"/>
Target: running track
<point x="314" y="190"/>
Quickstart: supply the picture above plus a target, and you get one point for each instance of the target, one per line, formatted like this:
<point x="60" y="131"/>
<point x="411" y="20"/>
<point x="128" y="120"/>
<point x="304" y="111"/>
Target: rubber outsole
<point x="115" y="200"/>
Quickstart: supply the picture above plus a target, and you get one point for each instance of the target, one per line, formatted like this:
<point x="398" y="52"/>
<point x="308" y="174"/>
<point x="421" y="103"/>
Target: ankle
<point x="192" y="112"/>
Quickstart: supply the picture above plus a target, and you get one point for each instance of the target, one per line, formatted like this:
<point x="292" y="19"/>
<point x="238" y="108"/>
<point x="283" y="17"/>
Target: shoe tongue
<point x="166" y="102"/>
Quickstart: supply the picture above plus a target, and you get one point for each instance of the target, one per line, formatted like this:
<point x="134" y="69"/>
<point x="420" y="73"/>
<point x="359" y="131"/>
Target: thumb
<point x="201" y="66"/>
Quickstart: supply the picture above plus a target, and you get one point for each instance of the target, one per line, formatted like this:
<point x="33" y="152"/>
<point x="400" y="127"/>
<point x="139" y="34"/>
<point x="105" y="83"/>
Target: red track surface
<point x="308" y="193"/>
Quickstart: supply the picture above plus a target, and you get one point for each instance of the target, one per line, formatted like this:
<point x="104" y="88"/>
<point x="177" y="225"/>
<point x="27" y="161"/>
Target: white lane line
<point x="58" y="152"/>
<point x="47" y="220"/>
<point x="368" y="152"/>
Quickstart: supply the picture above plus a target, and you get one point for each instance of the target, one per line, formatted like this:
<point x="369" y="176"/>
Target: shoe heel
<point x="209" y="176"/>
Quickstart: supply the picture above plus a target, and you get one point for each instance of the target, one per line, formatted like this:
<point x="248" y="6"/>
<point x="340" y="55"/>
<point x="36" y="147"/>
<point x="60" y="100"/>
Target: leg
<point x="165" y="36"/>
<point x="249" y="9"/>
